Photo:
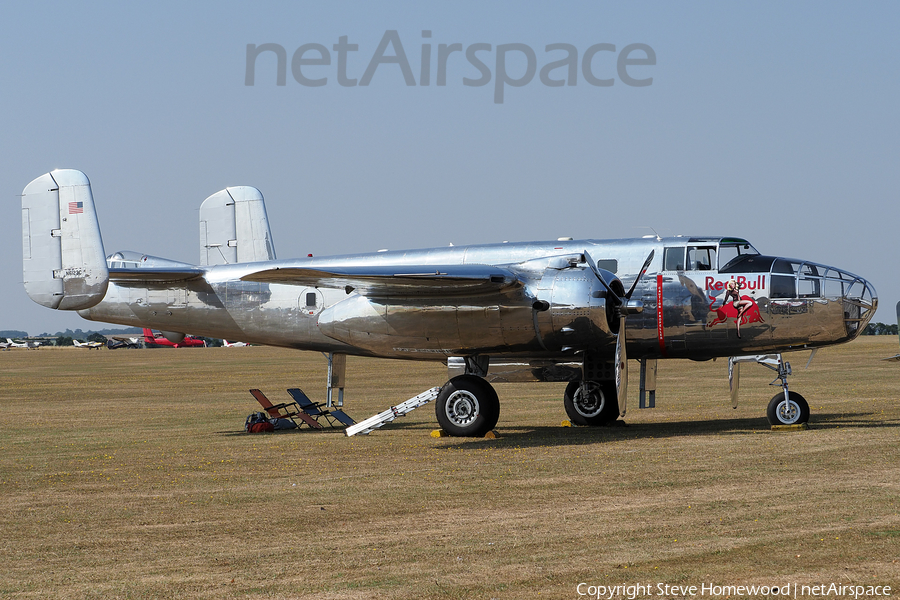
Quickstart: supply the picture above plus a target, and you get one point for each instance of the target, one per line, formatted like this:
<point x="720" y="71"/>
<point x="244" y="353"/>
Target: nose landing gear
<point x="786" y="408"/>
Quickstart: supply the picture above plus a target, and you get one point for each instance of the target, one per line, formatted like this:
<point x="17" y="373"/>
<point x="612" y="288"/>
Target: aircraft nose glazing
<point x="860" y="302"/>
<point x="814" y="282"/>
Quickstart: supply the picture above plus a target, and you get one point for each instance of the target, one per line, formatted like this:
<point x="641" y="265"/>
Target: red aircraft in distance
<point x="153" y="340"/>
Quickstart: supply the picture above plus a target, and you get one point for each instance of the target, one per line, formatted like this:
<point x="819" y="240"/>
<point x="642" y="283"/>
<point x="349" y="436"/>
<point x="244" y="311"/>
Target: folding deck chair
<point x="285" y="410"/>
<point x="316" y="410"/>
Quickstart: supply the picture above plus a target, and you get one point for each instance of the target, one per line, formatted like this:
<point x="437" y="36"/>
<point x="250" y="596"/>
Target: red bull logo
<point x="742" y="308"/>
<point x="750" y="314"/>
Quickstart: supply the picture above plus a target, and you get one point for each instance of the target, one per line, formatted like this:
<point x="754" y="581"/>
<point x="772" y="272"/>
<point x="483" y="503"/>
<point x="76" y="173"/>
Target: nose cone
<point x="860" y="302"/>
<point x="839" y="304"/>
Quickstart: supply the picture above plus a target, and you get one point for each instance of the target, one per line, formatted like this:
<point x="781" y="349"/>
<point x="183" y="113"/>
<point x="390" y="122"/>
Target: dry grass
<point x="124" y="475"/>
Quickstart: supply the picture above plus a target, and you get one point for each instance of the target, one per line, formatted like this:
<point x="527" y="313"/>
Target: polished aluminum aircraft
<point x="568" y="310"/>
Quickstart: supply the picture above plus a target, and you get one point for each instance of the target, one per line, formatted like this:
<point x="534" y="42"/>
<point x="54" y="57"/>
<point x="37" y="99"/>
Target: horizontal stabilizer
<point x="128" y="266"/>
<point x="393" y="280"/>
<point x="63" y="261"/>
<point x="155" y="274"/>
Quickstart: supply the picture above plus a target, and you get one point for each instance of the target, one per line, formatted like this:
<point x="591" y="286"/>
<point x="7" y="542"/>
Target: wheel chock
<point x="797" y="427"/>
<point x="566" y="424"/>
<point x="490" y="435"/>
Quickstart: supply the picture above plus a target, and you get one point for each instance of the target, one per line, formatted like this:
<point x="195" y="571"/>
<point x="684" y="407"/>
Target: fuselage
<point x="702" y="298"/>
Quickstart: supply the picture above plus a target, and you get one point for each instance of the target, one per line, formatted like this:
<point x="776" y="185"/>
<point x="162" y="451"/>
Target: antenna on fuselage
<point x="658" y="238"/>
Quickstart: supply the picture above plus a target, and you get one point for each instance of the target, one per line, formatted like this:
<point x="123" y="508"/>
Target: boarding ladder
<point x="382" y="418"/>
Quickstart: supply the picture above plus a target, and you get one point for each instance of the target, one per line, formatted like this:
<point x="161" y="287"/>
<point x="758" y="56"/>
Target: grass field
<point x="126" y="474"/>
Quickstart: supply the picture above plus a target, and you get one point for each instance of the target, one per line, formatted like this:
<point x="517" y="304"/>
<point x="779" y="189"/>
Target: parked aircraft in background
<point x="228" y="344"/>
<point x="117" y="342"/>
<point x="896" y="356"/>
<point x="170" y="340"/>
<point x="88" y="345"/>
<point x="569" y="310"/>
<point x="124" y="341"/>
<point x="4" y="345"/>
<point x="26" y="344"/>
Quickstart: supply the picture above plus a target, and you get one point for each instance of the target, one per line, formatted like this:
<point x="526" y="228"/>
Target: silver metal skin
<point x="548" y="311"/>
<point x="317" y="307"/>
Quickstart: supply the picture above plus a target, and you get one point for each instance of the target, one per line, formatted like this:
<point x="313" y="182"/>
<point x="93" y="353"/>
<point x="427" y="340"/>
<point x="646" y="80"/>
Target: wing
<point x="397" y="280"/>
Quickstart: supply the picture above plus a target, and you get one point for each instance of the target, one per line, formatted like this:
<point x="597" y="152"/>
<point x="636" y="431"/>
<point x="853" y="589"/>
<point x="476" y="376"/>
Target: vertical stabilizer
<point x="234" y="228"/>
<point x="62" y="254"/>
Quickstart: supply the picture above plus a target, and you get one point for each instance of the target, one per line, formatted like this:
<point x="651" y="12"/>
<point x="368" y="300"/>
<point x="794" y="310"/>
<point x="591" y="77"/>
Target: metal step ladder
<point x="382" y="418"/>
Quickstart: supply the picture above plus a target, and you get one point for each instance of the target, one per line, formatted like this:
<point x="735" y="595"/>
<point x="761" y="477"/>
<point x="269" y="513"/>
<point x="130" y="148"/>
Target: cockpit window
<point x="730" y="252"/>
<point x="701" y="258"/>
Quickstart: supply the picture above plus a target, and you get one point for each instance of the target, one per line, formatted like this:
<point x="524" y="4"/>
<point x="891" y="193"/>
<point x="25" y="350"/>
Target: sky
<point x="775" y="122"/>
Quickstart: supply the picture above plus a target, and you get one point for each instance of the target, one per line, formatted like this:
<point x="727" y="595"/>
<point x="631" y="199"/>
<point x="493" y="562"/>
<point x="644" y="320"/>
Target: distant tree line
<point x="13" y="333"/>
<point x="880" y="329"/>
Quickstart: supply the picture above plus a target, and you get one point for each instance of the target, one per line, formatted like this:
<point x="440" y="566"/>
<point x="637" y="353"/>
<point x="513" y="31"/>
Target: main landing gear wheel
<point x="467" y="407"/>
<point x="792" y="412"/>
<point x="593" y="404"/>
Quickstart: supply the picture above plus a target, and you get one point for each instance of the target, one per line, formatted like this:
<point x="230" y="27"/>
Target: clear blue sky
<point x="773" y="121"/>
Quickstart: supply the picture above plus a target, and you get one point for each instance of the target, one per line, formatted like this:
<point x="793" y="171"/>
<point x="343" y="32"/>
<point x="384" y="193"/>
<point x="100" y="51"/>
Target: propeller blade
<point x="625" y="307"/>
<point x="593" y="266"/>
<point x="734" y="380"/>
<point x="640" y="274"/>
<point x="621" y="368"/>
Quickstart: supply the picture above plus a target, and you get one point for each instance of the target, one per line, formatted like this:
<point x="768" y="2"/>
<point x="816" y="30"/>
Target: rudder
<point x="234" y="228"/>
<point x="63" y="261"/>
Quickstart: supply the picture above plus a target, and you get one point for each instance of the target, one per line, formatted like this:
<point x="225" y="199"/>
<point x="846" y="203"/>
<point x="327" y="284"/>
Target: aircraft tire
<point x="467" y="407"/>
<point x="600" y="408"/>
<point x="792" y="413"/>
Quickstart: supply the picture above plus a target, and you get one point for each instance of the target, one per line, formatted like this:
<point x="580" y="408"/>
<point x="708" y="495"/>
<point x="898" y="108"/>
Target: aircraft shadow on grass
<point x="565" y="436"/>
<point x="561" y="436"/>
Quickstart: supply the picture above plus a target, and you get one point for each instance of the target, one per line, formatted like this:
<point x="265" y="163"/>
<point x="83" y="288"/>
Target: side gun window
<point x="673" y="259"/>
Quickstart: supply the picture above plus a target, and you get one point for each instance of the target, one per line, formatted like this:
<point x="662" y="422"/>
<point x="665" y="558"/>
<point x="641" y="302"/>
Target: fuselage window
<point x="673" y="259"/>
<point x="809" y="288"/>
<point x="608" y="264"/>
<point x="310" y="300"/>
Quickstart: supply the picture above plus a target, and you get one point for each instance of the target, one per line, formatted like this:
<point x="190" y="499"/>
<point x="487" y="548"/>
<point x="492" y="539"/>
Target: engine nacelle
<point x="173" y="336"/>
<point x="577" y="312"/>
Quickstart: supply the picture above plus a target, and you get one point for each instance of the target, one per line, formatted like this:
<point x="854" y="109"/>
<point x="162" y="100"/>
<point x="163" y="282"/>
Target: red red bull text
<point x="759" y="283"/>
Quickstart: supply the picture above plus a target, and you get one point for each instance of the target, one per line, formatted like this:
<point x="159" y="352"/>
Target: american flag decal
<point x="76" y="208"/>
